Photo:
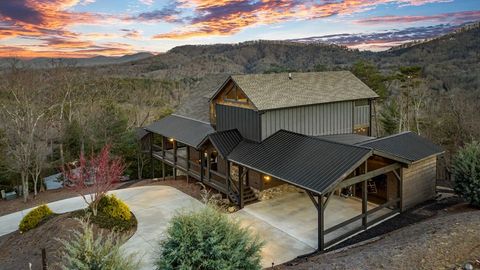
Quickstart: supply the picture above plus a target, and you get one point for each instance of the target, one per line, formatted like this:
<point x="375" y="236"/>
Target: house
<point x="309" y="130"/>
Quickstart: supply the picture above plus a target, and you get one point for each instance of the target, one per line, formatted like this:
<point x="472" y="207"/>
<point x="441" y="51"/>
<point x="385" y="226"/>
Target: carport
<point x="324" y="170"/>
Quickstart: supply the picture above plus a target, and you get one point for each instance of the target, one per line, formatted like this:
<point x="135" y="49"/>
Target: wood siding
<point x="246" y="121"/>
<point x="314" y="120"/>
<point x="419" y="182"/>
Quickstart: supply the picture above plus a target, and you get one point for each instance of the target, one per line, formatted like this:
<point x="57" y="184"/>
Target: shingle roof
<point x="225" y="141"/>
<point x="346" y="138"/>
<point x="407" y="146"/>
<point x="195" y="104"/>
<point x="273" y="91"/>
<point x="308" y="162"/>
<point x="182" y="129"/>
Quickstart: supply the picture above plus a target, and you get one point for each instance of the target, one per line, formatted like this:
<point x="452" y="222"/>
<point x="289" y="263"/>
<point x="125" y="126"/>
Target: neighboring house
<point x="309" y="130"/>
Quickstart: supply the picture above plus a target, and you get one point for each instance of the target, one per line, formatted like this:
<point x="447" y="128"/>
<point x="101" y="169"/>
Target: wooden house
<point x="310" y="130"/>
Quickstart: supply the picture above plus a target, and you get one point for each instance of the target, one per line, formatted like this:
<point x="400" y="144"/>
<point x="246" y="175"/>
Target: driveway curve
<point x="154" y="206"/>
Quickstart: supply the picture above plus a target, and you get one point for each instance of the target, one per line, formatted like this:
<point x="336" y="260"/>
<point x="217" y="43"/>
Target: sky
<point x="86" y="28"/>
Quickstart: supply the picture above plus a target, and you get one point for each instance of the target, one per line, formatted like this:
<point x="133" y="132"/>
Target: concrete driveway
<point x="154" y="206"/>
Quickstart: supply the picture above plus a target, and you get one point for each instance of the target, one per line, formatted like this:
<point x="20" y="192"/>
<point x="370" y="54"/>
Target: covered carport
<point x="323" y="169"/>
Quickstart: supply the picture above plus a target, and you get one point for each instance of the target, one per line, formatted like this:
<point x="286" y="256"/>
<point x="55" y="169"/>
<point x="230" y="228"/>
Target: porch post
<point x="188" y="163"/>
<point x="364" y="200"/>
<point x="175" y="160"/>
<point x="163" y="158"/>
<point x="240" y="185"/>
<point x="152" y="169"/>
<point x="202" y="170"/>
<point x="227" y="176"/>
<point x="321" y="223"/>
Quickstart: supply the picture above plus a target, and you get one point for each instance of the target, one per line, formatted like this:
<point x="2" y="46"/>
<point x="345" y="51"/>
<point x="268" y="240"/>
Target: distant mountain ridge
<point x="43" y="62"/>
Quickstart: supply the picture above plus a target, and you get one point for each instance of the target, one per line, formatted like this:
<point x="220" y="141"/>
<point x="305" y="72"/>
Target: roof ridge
<point x="323" y="140"/>
<point x="385" y="137"/>
<point x="189" y="118"/>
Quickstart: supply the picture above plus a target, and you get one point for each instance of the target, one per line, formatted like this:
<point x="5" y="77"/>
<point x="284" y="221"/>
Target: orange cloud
<point x="457" y="17"/>
<point x="227" y="17"/>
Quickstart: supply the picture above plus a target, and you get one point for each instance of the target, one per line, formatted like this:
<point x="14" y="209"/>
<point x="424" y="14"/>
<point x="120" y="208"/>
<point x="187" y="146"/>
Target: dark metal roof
<point x="346" y="138"/>
<point x="406" y="146"/>
<point x="182" y="129"/>
<point x="140" y="133"/>
<point x="225" y="141"/>
<point x="301" y="160"/>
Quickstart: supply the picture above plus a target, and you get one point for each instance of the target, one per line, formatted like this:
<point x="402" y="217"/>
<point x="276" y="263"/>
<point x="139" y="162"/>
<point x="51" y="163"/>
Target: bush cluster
<point x="208" y="240"/>
<point x="115" y="208"/>
<point x="34" y="217"/>
<point x="88" y="251"/>
<point x="466" y="170"/>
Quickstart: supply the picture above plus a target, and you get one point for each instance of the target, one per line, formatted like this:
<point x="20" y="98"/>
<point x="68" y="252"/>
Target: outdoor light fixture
<point x="266" y="178"/>
<point x="170" y="140"/>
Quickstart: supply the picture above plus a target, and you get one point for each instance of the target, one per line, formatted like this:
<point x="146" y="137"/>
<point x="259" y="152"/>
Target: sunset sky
<point x="85" y="28"/>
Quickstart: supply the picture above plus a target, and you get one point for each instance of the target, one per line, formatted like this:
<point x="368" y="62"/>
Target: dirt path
<point x="445" y="242"/>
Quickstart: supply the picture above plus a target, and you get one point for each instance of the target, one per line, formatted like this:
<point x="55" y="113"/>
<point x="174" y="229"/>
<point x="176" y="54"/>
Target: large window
<point x="236" y="95"/>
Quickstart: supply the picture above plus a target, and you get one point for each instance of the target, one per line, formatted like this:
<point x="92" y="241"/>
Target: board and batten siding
<point x="313" y="120"/>
<point x="246" y="121"/>
<point x="361" y="116"/>
<point x="419" y="182"/>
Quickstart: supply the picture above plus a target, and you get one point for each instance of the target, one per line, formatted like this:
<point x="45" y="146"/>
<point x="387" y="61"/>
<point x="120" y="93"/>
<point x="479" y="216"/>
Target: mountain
<point x="42" y="62"/>
<point x="450" y="61"/>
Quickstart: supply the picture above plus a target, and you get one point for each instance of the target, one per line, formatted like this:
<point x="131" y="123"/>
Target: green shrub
<point x="85" y="251"/>
<point x="115" y="208"/>
<point x="209" y="240"/>
<point x="34" y="217"/>
<point x="466" y="171"/>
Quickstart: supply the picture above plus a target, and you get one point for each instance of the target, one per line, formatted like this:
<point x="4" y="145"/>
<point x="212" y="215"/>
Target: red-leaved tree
<point x="93" y="178"/>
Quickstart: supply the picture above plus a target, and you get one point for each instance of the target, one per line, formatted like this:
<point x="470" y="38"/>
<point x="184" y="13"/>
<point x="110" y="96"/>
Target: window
<point x="236" y="95"/>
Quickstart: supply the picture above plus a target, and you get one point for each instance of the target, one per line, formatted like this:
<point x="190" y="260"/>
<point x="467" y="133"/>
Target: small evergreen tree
<point x="85" y="251"/>
<point x="466" y="170"/>
<point x="208" y="240"/>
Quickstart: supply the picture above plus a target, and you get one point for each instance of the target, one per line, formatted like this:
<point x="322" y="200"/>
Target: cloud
<point x="454" y="17"/>
<point x="168" y="14"/>
<point x="383" y="40"/>
<point x="227" y="17"/>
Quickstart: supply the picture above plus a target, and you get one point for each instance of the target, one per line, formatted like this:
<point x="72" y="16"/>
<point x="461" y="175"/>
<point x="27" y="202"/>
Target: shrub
<point x="84" y="251"/>
<point x="34" y="217"/>
<point x="115" y="208"/>
<point x="209" y="240"/>
<point x="466" y="170"/>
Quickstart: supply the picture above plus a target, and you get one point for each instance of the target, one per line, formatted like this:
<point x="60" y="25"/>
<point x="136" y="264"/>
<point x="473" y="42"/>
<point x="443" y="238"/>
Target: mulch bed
<point x="17" y="249"/>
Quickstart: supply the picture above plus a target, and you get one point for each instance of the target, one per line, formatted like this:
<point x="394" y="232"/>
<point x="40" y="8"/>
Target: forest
<point x="49" y="115"/>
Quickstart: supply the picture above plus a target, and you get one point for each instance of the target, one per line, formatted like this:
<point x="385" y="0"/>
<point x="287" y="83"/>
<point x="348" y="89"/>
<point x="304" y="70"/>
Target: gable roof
<point x="185" y="130"/>
<point x="274" y="91"/>
<point x="195" y="104"/>
<point x="407" y="147"/>
<point x="311" y="163"/>
<point x="225" y="141"/>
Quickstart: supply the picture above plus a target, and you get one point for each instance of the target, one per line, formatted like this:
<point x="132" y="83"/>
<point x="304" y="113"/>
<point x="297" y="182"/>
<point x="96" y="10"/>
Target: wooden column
<point x="364" y="199"/>
<point x="240" y="186"/>
<point x="321" y="223"/>
<point x="202" y="169"/>
<point x="152" y="165"/>
<point x="163" y="157"/>
<point x="175" y="160"/>
<point x="227" y="176"/>
<point x="208" y="166"/>
<point x="188" y="163"/>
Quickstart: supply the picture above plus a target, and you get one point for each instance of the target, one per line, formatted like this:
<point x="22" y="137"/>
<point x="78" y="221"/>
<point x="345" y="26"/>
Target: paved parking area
<point x="287" y="224"/>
